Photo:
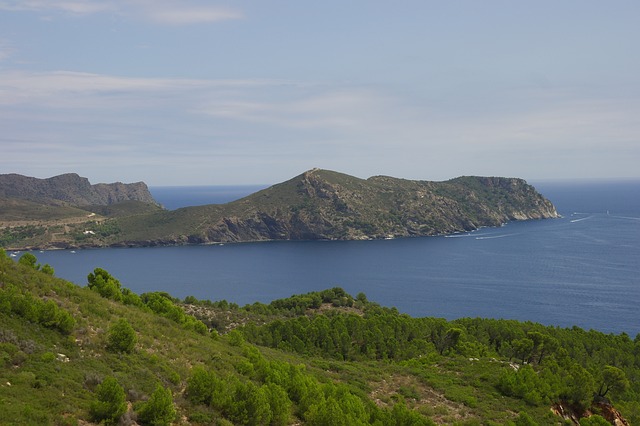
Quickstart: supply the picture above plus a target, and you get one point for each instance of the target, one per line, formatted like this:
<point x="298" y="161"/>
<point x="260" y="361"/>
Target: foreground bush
<point x="110" y="403"/>
<point x="121" y="337"/>
<point x="159" y="409"/>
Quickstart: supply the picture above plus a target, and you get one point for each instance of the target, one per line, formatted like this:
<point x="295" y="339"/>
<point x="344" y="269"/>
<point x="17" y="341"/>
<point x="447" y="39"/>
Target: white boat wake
<point x="495" y="236"/>
<point x="464" y="235"/>
<point x="580" y="220"/>
<point x="626" y="217"/>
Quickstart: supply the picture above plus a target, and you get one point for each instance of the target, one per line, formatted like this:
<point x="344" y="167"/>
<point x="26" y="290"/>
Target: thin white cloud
<point x="164" y="12"/>
<point x="333" y="108"/>
<point x="19" y="87"/>
<point x="82" y="113"/>
<point x="181" y="14"/>
<point x="80" y="7"/>
<point x="362" y="114"/>
<point x="6" y="50"/>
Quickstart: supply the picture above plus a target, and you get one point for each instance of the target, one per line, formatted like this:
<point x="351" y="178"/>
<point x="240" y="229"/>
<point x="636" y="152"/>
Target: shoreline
<point x="179" y="242"/>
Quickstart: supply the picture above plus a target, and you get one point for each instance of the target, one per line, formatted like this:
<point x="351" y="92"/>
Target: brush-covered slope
<point x="322" y="204"/>
<point x="16" y="211"/>
<point x="73" y="355"/>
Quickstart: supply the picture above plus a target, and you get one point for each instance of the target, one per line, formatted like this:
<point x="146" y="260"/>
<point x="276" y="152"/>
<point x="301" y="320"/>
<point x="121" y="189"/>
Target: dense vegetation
<point x="548" y="365"/>
<point x="102" y="353"/>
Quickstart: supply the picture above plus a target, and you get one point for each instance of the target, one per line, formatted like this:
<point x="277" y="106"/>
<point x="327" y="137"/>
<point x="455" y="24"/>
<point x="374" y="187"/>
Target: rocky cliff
<point x="316" y="205"/>
<point x="71" y="189"/>
<point x="321" y="204"/>
<point x="326" y="205"/>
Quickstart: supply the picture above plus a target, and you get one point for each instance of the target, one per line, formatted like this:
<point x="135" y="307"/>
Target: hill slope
<point x="322" y="358"/>
<point x="321" y="204"/>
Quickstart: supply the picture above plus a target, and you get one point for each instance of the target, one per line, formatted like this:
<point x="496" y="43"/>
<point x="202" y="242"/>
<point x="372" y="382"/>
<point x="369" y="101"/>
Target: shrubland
<point x="73" y="355"/>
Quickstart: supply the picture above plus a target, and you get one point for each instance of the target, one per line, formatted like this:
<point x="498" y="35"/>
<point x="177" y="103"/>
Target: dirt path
<point x="50" y="223"/>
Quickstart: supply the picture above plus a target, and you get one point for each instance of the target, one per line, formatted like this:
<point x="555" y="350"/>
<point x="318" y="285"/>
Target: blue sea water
<point x="174" y="197"/>
<point x="582" y="269"/>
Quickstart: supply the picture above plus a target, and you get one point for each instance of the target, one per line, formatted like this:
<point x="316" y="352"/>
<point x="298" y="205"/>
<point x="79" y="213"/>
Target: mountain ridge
<point x="315" y="205"/>
<point x="70" y="188"/>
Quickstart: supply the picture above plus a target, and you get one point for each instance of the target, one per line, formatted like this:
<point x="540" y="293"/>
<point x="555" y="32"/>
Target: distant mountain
<point x="71" y="189"/>
<point x="316" y="205"/>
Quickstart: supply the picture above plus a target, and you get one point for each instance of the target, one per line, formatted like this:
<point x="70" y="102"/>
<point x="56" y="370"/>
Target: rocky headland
<point x="316" y="205"/>
<point x="326" y="205"/>
<point x="71" y="189"/>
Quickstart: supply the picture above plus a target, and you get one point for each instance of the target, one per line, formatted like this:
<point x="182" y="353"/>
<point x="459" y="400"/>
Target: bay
<point x="582" y="269"/>
<point x="174" y="197"/>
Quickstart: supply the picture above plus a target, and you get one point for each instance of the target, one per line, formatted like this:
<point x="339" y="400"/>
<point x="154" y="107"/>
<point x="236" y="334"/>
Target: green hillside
<point x="17" y="210"/>
<point x="73" y="355"/>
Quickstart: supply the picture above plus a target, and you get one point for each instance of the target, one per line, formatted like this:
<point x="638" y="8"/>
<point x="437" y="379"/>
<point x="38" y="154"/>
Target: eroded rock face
<point x="611" y="414"/>
<point x="112" y="193"/>
<point x="604" y="409"/>
<point x="326" y="205"/>
<point x="72" y="189"/>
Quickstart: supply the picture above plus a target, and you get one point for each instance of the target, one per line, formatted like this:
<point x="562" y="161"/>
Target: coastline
<point x="183" y="241"/>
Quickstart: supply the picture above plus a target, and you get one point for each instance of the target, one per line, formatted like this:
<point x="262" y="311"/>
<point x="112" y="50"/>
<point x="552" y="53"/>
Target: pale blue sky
<point x="187" y="92"/>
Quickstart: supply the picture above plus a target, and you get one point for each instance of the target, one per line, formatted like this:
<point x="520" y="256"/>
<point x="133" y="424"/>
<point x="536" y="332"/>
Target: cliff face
<point x="71" y="189"/>
<point x="112" y="193"/>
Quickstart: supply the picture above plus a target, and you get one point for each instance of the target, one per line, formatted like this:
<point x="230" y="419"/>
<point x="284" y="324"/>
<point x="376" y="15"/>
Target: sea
<point x="582" y="269"/>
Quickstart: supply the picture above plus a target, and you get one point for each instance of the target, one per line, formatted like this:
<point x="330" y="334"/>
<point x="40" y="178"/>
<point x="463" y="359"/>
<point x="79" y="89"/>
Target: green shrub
<point x="29" y="260"/>
<point x="131" y="298"/>
<point x="19" y="358"/>
<point x="47" y="269"/>
<point x="106" y="285"/>
<point x="110" y="403"/>
<point x="163" y="304"/>
<point x="159" y="409"/>
<point x="30" y="307"/>
<point x="401" y="415"/>
<point x="200" y="386"/>
<point x="235" y="338"/>
<point x="48" y="357"/>
<point x="121" y="337"/>
<point x="279" y="403"/>
<point x="250" y="405"/>
<point x="524" y="419"/>
<point x="594" y="420"/>
<point x="9" y="348"/>
<point x="5" y="359"/>
<point x="65" y="322"/>
<point x="200" y="417"/>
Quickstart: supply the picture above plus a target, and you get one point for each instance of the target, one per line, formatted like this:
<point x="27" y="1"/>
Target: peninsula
<point x="316" y="205"/>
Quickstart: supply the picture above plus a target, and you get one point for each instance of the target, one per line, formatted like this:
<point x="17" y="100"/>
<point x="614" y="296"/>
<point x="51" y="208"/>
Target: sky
<point x="195" y="92"/>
